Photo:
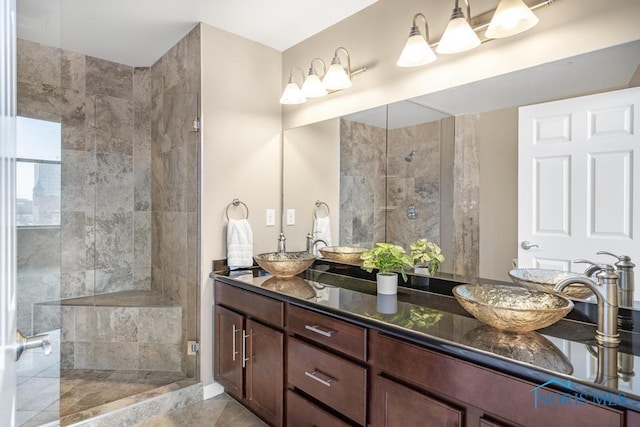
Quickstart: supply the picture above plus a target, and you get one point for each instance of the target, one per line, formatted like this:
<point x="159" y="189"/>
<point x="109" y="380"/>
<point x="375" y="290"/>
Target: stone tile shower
<point x="116" y="282"/>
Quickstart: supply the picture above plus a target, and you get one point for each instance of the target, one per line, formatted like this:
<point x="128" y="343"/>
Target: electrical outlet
<point x="291" y="217"/>
<point x="271" y="217"/>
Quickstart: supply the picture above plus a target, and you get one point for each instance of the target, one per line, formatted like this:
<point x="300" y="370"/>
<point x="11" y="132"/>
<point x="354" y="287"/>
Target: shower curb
<point x="135" y="409"/>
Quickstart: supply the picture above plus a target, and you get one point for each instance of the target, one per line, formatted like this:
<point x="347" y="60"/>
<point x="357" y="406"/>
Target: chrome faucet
<point x="311" y="243"/>
<point x="282" y="243"/>
<point x="606" y="291"/>
<point x="624" y="269"/>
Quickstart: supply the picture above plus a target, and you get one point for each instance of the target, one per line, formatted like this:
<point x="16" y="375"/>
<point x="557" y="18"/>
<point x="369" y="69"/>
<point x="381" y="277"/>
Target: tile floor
<point x="219" y="411"/>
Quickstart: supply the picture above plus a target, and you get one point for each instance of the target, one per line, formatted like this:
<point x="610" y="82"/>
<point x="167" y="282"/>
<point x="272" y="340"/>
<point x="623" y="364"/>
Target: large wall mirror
<point x="388" y="173"/>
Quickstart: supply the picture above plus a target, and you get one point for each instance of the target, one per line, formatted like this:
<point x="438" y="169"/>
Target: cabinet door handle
<point x="245" y="359"/>
<point x="314" y="375"/>
<point x="233" y="342"/>
<point x="318" y="330"/>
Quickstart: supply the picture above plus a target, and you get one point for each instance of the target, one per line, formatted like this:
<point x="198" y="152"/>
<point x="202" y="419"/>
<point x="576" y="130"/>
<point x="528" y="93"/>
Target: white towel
<point x="321" y="230"/>
<point x="239" y="244"/>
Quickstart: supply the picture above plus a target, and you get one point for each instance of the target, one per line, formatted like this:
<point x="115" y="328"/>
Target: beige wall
<point x="241" y="155"/>
<point x="311" y="176"/>
<point x="376" y="35"/>
<point x="498" y="152"/>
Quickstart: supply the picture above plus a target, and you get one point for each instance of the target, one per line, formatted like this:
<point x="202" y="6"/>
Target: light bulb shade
<point x="510" y="18"/>
<point x="416" y="52"/>
<point x="458" y="37"/>
<point x="336" y="77"/>
<point x="292" y="95"/>
<point x="312" y="87"/>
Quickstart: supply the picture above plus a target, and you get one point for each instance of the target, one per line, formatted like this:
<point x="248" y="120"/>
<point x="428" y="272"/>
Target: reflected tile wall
<point x="446" y="195"/>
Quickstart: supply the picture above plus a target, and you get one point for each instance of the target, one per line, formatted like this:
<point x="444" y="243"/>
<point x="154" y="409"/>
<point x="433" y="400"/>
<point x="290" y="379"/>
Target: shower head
<point x="409" y="157"/>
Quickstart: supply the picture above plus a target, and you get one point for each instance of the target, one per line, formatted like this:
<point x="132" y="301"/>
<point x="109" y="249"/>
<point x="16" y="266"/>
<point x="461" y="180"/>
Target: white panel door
<point x="578" y="190"/>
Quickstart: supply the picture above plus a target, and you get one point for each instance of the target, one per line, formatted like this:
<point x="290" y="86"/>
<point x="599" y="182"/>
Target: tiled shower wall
<point x="441" y="182"/>
<point x="362" y="180"/>
<point x="104" y="242"/>
<point x="365" y="151"/>
<point x="175" y="157"/>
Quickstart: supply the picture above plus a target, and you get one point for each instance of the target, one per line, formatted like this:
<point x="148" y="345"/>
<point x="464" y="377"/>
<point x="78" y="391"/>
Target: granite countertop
<point x="425" y="313"/>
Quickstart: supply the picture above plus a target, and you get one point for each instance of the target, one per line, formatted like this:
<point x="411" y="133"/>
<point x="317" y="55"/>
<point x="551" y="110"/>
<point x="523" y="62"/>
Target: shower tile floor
<point x="46" y="393"/>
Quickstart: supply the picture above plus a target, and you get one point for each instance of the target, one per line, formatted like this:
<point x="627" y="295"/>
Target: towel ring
<point x="320" y="204"/>
<point x="236" y="203"/>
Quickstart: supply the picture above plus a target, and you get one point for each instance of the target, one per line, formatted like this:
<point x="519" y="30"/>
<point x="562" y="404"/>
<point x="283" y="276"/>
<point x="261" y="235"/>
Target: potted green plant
<point x="426" y="255"/>
<point x="389" y="259"/>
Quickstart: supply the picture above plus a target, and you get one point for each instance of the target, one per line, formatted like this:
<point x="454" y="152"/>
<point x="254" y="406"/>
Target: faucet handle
<point x="624" y="260"/>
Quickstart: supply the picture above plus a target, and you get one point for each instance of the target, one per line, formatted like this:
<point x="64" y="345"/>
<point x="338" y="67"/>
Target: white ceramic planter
<point x="387" y="283"/>
<point x="422" y="270"/>
<point x="387" y="304"/>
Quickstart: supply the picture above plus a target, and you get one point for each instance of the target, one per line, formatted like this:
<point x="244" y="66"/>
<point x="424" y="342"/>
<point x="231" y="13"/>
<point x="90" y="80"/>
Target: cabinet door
<point x="228" y="350"/>
<point x="397" y="405"/>
<point x="264" y="372"/>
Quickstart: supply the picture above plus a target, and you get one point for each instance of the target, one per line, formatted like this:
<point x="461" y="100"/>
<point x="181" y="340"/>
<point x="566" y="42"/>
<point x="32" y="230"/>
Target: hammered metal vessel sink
<point x="545" y="280"/>
<point x="292" y="286"/>
<point x="345" y="254"/>
<point x="511" y="308"/>
<point x="285" y="264"/>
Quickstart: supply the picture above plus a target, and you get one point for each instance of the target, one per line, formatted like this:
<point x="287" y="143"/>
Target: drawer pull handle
<point x="245" y="359"/>
<point x="233" y="342"/>
<point x="314" y="375"/>
<point x="318" y="330"/>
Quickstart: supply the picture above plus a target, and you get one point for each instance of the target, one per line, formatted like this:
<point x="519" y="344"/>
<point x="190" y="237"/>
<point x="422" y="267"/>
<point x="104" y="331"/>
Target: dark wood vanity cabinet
<point x="462" y="393"/>
<point x="339" y="373"/>
<point x="249" y="348"/>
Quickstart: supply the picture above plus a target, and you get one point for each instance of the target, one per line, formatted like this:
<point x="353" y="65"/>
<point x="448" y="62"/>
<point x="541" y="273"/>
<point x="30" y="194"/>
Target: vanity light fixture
<point x="417" y="51"/>
<point x="292" y="94"/>
<point x="510" y="18"/>
<point x="312" y="86"/>
<point x="459" y="36"/>
<point x="337" y="78"/>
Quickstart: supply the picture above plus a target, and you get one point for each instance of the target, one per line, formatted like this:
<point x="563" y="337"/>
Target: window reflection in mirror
<point x="37" y="172"/>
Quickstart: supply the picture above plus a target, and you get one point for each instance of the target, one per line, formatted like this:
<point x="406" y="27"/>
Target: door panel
<point x="265" y="371"/>
<point x="578" y="191"/>
<point x="228" y="350"/>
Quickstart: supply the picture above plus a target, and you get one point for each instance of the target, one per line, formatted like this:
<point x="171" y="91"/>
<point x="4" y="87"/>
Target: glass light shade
<point x="416" y="52"/>
<point x="292" y="95"/>
<point x="336" y="77"/>
<point x="312" y="87"/>
<point x="458" y="37"/>
<point x="511" y="17"/>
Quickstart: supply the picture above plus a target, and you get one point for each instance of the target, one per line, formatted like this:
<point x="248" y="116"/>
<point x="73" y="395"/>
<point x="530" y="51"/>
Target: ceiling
<point x="138" y="32"/>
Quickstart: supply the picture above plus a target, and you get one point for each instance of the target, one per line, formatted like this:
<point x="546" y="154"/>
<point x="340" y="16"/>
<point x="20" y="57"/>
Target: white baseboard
<point x="211" y="390"/>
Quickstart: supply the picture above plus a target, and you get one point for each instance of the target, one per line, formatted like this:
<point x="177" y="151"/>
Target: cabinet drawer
<point x="336" y="334"/>
<point x="338" y="383"/>
<point x="397" y="405"/>
<point x="256" y="306"/>
<point x="302" y="413"/>
<point x="481" y="387"/>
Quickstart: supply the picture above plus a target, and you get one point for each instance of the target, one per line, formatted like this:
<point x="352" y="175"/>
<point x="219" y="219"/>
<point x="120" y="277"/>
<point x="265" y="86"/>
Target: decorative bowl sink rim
<point x="508" y="317"/>
<point x="545" y="281"/>
<point x="516" y="289"/>
<point x="276" y="262"/>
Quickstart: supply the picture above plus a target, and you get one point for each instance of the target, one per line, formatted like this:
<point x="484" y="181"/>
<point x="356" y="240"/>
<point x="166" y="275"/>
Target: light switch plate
<point x="291" y="217"/>
<point x="271" y="217"/>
